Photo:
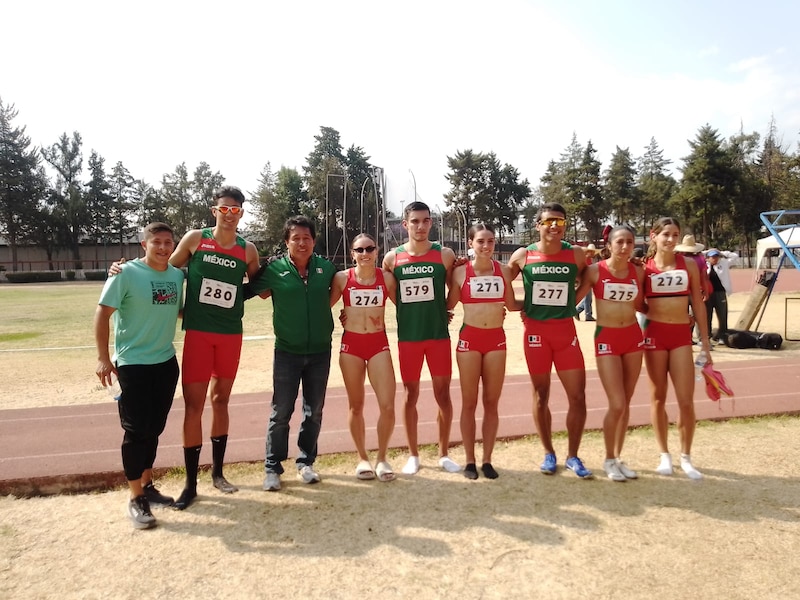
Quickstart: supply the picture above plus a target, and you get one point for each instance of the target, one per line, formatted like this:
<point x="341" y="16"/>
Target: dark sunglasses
<point x="229" y="209"/>
<point x="368" y="249"/>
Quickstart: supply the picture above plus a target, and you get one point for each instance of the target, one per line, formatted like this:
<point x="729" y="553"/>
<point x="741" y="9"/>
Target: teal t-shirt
<point x="147" y="303"/>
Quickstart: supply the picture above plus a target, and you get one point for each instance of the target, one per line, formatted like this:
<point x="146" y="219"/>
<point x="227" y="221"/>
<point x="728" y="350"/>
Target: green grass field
<point x="37" y="316"/>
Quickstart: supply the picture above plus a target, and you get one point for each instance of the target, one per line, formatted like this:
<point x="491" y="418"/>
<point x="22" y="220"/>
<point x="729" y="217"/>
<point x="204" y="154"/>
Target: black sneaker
<point x="139" y="512"/>
<point x="155" y="497"/>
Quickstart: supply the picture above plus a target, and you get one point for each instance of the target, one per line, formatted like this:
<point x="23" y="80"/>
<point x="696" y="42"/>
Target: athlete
<point x="671" y="282"/>
<point x="143" y="301"/>
<point x="365" y="350"/>
<point x="218" y="260"/>
<point x="550" y="270"/>
<point x="422" y="269"/>
<point x="484" y="288"/>
<point x="617" y="285"/>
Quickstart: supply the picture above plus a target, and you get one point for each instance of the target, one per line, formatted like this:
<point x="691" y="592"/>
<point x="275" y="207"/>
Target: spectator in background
<point x="719" y="277"/>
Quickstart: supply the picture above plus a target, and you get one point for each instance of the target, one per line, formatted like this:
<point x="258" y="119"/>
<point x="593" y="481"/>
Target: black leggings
<point x="147" y="393"/>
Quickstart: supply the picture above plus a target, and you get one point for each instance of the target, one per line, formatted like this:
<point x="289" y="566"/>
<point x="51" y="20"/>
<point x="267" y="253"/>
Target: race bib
<point x="671" y="282"/>
<point x="362" y="297"/>
<point x="619" y="292"/>
<point x="487" y="286"/>
<point x="217" y="293"/>
<point x="550" y="293"/>
<point x="417" y="290"/>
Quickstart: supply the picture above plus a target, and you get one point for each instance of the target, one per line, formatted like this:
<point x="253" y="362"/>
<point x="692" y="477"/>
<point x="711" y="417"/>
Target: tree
<point x="655" y="186"/>
<point x="148" y="203"/>
<point x="485" y="191"/>
<point x="122" y="213"/>
<point x="585" y="191"/>
<point x="22" y="183"/>
<point x="620" y="186"/>
<point x="560" y="182"/>
<point x="177" y="196"/>
<point x="710" y="182"/>
<point x="97" y="200"/>
<point x="204" y="184"/>
<point x="326" y="181"/>
<point x="277" y="198"/>
<point x="69" y="208"/>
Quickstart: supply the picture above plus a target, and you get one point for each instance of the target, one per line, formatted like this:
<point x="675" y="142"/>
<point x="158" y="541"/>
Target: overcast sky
<point x="240" y="84"/>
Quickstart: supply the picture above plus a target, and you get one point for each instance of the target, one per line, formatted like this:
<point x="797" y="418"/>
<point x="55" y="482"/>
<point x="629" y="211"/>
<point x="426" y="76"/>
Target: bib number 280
<point x="217" y="293"/>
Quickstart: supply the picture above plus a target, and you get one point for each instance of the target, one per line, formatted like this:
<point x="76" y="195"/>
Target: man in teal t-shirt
<point x="143" y="301"/>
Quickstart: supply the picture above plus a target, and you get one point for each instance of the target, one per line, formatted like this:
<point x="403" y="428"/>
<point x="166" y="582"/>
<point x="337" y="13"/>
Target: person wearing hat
<point x="691" y="249"/>
<point x="719" y="277"/>
<point x="591" y="253"/>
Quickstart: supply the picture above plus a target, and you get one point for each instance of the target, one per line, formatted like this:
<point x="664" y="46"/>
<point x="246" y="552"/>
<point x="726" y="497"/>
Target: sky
<point x="240" y="84"/>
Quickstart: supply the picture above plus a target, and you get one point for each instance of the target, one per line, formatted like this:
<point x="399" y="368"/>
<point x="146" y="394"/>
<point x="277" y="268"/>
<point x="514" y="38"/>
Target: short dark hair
<point x="417" y="205"/>
<point x="154" y="228"/>
<point x="229" y="191"/>
<point x="550" y="207"/>
<point x="298" y="221"/>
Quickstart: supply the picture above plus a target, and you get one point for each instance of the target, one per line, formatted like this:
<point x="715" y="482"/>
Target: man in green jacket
<point x="299" y="284"/>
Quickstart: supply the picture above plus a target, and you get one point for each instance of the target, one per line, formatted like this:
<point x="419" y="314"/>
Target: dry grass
<point x="736" y="534"/>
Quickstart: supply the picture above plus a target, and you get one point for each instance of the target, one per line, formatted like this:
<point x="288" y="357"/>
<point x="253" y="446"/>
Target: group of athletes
<point x="425" y="281"/>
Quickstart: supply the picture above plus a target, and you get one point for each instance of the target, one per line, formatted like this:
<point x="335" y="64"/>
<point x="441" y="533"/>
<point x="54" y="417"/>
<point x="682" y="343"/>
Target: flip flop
<point x="364" y="471"/>
<point x="384" y="471"/>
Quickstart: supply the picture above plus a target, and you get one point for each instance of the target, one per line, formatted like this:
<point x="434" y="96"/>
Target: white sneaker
<point x="449" y="464"/>
<point x="272" y="482"/>
<point x="688" y="468"/>
<point x="307" y="474"/>
<point x="611" y="468"/>
<point x="623" y="468"/>
<point x="665" y="466"/>
<point x="412" y="466"/>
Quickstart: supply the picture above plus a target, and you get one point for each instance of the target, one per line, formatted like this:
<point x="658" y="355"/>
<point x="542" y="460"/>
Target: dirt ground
<point x="735" y="534"/>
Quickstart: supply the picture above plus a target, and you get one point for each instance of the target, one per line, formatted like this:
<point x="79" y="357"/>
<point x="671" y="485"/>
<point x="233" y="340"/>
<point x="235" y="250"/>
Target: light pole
<point x="327" y="193"/>
<point x="464" y="238"/>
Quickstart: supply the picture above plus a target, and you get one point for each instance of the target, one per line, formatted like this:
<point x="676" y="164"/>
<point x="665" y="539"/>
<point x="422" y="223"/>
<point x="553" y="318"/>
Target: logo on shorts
<point x="463" y="346"/>
<point x="574" y="341"/>
<point x="534" y="341"/>
<point x="345" y="348"/>
<point x="604" y="348"/>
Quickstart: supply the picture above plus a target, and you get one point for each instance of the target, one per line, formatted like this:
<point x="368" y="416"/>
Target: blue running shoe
<point x="575" y="465"/>
<point x="548" y="467"/>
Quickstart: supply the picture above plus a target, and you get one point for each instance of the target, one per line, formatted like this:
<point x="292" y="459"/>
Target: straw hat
<point x="689" y="245"/>
<point x="590" y="249"/>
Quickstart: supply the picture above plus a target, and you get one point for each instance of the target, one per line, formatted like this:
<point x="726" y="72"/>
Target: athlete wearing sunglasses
<point x="550" y="270"/>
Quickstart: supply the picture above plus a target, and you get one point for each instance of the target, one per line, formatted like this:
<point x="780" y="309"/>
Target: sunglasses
<point x="368" y="249"/>
<point x="554" y="222"/>
<point x="234" y="210"/>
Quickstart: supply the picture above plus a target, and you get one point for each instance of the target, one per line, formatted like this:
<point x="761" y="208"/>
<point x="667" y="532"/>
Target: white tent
<point x="790" y="236"/>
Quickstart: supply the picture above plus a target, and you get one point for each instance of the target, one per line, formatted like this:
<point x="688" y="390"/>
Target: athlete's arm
<point x="102" y="332"/>
<point x="698" y="306"/>
<point x="448" y="260"/>
<point x="186" y="247"/>
<point x="388" y="261"/>
<point x="639" y="302"/>
<point x="454" y="294"/>
<point x="391" y="286"/>
<point x="337" y="286"/>
<point x="588" y="279"/>
<point x="516" y="262"/>
<point x="511" y="300"/>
